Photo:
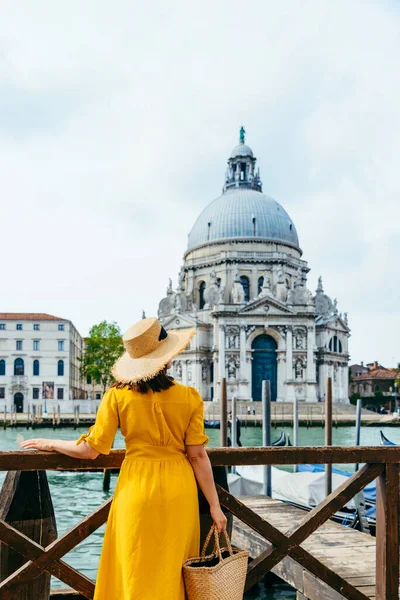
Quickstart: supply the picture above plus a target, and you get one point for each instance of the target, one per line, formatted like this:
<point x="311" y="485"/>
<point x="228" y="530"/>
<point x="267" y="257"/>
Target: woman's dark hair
<point x="159" y="382"/>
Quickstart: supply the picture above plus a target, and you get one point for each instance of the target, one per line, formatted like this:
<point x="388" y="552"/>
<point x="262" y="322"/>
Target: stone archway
<point x="264" y="365"/>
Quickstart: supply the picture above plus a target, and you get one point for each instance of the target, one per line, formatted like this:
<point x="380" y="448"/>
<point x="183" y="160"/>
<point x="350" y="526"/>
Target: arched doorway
<point x="264" y="365"/>
<point x="19" y="402"/>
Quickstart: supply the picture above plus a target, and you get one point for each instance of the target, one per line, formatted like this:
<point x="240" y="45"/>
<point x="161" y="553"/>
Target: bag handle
<point x="217" y="546"/>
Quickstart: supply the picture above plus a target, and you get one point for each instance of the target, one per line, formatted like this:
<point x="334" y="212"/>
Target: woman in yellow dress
<point x="153" y="525"/>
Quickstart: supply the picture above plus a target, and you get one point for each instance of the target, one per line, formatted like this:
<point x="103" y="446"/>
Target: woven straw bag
<point x="220" y="575"/>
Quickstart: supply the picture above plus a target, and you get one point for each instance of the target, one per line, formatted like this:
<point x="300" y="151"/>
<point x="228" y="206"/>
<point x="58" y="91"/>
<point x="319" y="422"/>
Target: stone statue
<point x="237" y="293"/>
<point x="169" y="288"/>
<point x="266" y="286"/>
<point x="211" y="294"/>
<point x="335" y="307"/>
<point x="178" y="367"/>
<point x="298" y="369"/>
<point x="180" y="281"/>
<point x="143" y="314"/>
<point x="281" y="288"/>
<point x="221" y="299"/>
<point x="178" y="302"/>
<point x="346" y="318"/>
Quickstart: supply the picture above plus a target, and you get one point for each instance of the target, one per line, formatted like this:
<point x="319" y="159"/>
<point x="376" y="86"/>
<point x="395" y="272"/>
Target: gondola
<point x="385" y="441"/>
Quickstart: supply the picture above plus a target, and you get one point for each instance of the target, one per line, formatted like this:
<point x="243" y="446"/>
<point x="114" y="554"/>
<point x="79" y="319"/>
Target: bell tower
<point x="241" y="171"/>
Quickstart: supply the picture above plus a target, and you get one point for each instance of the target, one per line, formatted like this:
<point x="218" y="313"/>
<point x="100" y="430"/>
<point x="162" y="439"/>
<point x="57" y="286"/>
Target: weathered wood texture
<point x="25" y="504"/>
<point x="387" y="534"/>
<point x="46" y="559"/>
<point x="349" y="553"/>
<point x="52" y="461"/>
<point x="65" y="594"/>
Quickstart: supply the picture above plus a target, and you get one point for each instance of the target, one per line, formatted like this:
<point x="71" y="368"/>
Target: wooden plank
<point x="65" y="594"/>
<point x="355" y="566"/>
<point x="387" y="534"/>
<point x="277" y="538"/>
<point x="270" y="557"/>
<point x="54" y="551"/>
<point x="34" y="461"/>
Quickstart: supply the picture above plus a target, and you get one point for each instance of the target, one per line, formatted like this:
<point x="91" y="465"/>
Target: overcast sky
<point x="116" y="121"/>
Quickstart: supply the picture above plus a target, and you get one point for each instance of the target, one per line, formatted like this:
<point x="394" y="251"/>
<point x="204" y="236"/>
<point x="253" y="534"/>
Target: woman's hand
<point x="220" y="520"/>
<point x="38" y="444"/>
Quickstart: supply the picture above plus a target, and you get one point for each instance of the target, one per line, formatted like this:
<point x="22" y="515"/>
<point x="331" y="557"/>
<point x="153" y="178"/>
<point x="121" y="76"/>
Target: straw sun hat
<point x="149" y="348"/>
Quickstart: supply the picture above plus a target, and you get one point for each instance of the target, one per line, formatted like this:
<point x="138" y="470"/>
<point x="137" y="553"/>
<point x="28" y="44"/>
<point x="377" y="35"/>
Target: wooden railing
<point x="381" y="464"/>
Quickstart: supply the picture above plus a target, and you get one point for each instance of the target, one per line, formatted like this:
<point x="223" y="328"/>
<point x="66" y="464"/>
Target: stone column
<point x="289" y="354"/>
<point x="311" y="376"/>
<point x="221" y="353"/>
<point x="242" y="371"/>
<point x="281" y="375"/>
<point x="289" y="396"/>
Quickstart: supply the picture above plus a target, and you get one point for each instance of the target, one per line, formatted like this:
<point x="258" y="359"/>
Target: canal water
<point x="75" y="495"/>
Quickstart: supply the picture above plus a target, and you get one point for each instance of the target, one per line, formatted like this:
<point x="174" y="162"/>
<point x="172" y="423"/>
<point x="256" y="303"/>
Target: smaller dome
<point x="242" y="150"/>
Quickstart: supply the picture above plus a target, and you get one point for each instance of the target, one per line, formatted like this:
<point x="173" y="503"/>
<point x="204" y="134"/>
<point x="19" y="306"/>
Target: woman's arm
<point x="200" y="462"/>
<point x="63" y="446"/>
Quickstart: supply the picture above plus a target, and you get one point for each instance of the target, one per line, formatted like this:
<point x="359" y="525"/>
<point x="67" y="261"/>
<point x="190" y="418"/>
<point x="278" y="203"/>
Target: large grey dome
<point x="243" y="214"/>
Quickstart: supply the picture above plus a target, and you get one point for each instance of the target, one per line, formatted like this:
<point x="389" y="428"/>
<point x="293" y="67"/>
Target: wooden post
<point x="328" y="434"/>
<point x="33" y="416"/>
<point x="25" y="503"/>
<point x="358" y="425"/>
<point x="224" y="414"/>
<point x="387" y="534"/>
<point x="54" y="417"/>
<point x="234" y="428"/>
<point x="5" y="417"/>
<point x="266" y="431"/>
<point x="58" y="415"/>
<point x="295" y="428"/>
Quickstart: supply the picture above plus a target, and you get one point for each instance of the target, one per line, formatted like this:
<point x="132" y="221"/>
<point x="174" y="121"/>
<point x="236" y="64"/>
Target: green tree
<point x="102" y="348"/>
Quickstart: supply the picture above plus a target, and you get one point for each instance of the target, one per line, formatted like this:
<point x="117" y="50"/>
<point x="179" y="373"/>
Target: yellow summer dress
<point x="153" y="525"/>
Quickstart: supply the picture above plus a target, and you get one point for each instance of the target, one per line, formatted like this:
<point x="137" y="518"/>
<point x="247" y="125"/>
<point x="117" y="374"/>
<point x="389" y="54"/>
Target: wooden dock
<point x="349" y="553"/>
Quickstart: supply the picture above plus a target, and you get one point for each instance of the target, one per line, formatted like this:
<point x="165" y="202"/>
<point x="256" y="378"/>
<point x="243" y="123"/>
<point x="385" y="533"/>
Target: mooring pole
<point x="224" y="414"/>
<point x="358" y="425"/>
<point x="234" y="427"/>
<point x="266" y="431"/>
<point x="396" y="397"/>
<point x="328" y="434"/>
<point x="295" y="428"/>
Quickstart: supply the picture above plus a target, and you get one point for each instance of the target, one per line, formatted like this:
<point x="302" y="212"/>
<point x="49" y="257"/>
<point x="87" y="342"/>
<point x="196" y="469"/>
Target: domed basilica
<point x="243" y="287"/>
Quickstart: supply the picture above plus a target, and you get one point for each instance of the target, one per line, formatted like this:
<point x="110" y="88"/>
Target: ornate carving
<point x="232" y="364"/>
<point x="250" y="329"/>
<point x="300" y="334"/>
<point x="299" y="367"/>
<point x="232" y="337"/>
<point x="178" y="369"/>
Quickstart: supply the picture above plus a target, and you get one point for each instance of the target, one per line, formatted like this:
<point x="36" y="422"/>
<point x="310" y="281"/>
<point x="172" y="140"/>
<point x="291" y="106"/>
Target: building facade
<point x="376" y="381"/>
<point x="243" y="287"/>
<point x="39" y="360"/>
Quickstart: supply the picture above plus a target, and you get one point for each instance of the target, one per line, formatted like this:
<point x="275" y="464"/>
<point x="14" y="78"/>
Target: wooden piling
<point x="328" y="434"/>
<point x="58" y="416"/>
<point x="25" y="504"/>
<point x="224" y="414"/>
<point x="54" y="417"/>
<point x="5" y="417"/>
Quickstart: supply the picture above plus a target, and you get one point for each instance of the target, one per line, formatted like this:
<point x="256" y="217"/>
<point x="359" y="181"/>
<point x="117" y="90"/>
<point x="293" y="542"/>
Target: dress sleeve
<point x="194" y="435"/>
<point x="101" y="434"/>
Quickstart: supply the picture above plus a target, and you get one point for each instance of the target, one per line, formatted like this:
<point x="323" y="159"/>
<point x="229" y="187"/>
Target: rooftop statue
<point x="242" y="135"/>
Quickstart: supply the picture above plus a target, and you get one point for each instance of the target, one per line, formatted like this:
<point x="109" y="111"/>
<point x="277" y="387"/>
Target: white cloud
<point x="116" y="121"/>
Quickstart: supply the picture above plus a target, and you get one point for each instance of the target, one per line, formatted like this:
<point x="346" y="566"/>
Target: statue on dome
<point x="242" y="135"/>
